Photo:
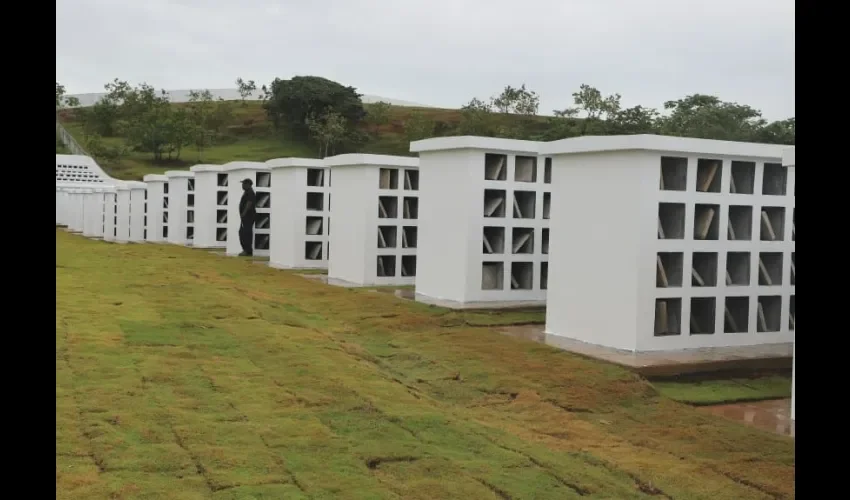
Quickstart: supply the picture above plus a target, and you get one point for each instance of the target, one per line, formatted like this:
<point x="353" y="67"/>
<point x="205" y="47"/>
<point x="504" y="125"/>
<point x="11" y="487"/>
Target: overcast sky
<point x="441" y="52"/>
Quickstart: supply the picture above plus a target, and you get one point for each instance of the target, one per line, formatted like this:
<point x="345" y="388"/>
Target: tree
<point x="201" y="109"/>
<point x="292" y="102"/>
<point x="778" y="132"/>
<point x="379" y="113"/>
<point x="60" y="93"/>
<point x="476" y="118"/>
<point x="245" y="88"/>
<point x="418" y="126"/>
<point x="327" y="130"/>
<point x="635" y="120"/>
<point x="519" y="101"/>
<point x="596" y="108"/>
<point x="707" y="117"/>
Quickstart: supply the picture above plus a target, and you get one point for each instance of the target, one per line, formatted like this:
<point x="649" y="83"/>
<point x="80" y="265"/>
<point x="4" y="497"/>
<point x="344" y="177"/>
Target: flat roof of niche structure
<point x="135" y="185"/>
<point x="175" y="174"/>
<point x="356" y="160"/>
<point x="475" y="142"/>
<point x="648" y="142"/>
<point x="295" y="162"/>
<point x="244" y="165"/>
<point x="789" y="157"/>
<point x="205" y="168"/>
<point x="155" y="178"/>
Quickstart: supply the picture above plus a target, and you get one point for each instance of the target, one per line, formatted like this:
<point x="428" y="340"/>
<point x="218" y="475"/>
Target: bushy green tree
<point x="292" y="102"/>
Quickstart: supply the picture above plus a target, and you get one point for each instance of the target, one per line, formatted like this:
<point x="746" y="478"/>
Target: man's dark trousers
<point x="246" y="235"/>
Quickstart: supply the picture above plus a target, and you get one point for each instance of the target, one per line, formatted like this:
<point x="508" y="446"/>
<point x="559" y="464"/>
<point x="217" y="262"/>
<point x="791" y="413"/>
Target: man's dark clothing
<point x="247" y="214"/>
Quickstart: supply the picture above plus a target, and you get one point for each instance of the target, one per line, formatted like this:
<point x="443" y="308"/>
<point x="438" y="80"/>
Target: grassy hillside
<point x="185" y="375"/>
<point x="250" y="136"/>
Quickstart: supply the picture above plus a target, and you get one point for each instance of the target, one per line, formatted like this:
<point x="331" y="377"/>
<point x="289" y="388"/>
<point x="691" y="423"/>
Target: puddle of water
<point x="773" y="416"/>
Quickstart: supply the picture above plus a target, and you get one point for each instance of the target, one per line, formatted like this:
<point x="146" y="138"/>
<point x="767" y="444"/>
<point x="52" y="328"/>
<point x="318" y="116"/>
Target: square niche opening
<point x="409" y="235"/>
<point x="387" y="207"/>
<point x="522" y="276"/>
<point x="545" y="243"/>
<point x="736" y="316"/>
<point x="708" y="175"/>
<point x="411" y="207"/>
<point x="524" y="202"/>
<point x="668" y="317"/>
<point x="706" y="222"/>
<point x="492" y="276"/>
<point x="774" y="180"/>
<point x="315" y="177"/>
<point x="221" y="216"/>
<point x="793" y="269"/>
<point x="522" y="240"/>
<point x="738" y="269"/>
<point x="388" y="178"/>
<point x="544" y="275"/>
<point x="671" y="221"/>
<point x="525" y="169"/>
<point x="386" y="266"/>
<point x="387" y="236"/>
<point x="494" y="239"/>
<point x="743" y="177"/>
<point x="770" y="268"/>
<point x="495" y="167"/>
<point x="668" y="271"/>
<point x="314" y="225"/>
<point x="411" y="180"/>
<point x="313" y="250"/>
<point x="315" y="202"/>
<point x="547" y="202"/>
<point x="704" y="269"/>
<point x="702" y="315"/>
<point x="547" y="171"/>
<point x="772" y="223"/>
<point x="264" y="179"/>
<point x="408" y="265"/>
<point x="674" y="173"/>
<point x="494" y="202"/>
<point x="769" y="313"/>
<point x="740" y="223"/>
<point x="792" y="314"/>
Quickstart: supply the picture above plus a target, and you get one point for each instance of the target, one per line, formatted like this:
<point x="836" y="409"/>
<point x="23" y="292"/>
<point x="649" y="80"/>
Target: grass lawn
<point x="185" y="375"/>
<point x="711" y="392"/>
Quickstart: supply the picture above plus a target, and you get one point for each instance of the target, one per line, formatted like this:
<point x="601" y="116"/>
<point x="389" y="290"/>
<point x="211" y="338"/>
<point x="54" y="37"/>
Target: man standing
<point x="247" y="214"/>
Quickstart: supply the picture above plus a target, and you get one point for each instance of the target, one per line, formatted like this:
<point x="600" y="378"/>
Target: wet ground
<point x="774" y="416"/>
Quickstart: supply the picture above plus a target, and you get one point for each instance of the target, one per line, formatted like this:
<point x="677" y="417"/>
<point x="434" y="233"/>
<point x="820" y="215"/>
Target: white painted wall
<point x="789" y="159"/>
<point x="178" y="208"/>
<point x="291" y="246"/>
<point x="122" y="226"/>
<point x="110" y="214"/>
<point x="155" y="189"/>
<point x="452" y="221"/>
<point x="604" y="241"/>
<point x="354" y="198"/>
<point x="137" y="210"/>
<point x="236" y="172"/>
<point x="93" y="226"/>
<point x="206" y="183"/>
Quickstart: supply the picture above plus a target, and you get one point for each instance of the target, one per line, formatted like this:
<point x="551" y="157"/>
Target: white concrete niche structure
<point x="375" y="219"/>
<point x="300" y="217"/>
<point x="668" y="243"/>
<point x="789" y="160"/>
<point x="209" y="233"/>
<point x="260" y="175"/>
<point x="122" y="213"/>
<point x="180" y="194"/>
<point x="138" y="192"/>
<point x="157" y="189"/>
<point x="62" y="206"/>
<point x="93" y="225"/>
<point x="110" y="214"/>
<point x="484" y="222"/>
<point x="75" y="210"/>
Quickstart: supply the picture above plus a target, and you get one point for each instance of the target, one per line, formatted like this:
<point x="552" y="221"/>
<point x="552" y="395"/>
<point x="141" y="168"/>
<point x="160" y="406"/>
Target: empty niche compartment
<point x="736" y="315"/>
<point x="774" y="179"/>
<point x="314" y="225"/>
<point x="165" y="203"/>
<point x="221" y="180"/>
<point x="164" y="232"/>
<point x="190" y="185"/>
<point x="387" y="207"/>
<point x="706" y="222"/>
<point x="387" y="236"/>
<point x="315" y="201"/>
<point x="772" y="223"/>
<point x="547" y="203"/>
<point x="263" y="221"/>
<point x="313" y="250"/>
<point x="494" y="239"/>
<point x="316" y="177"/>
<point x="770" y="268"/>
<point x="261" y="241"/>
<point x="702" y="315"/>
<point x="547" y="171"/>
<point x="409" y="236"/>
<point x="494" y="202"/>
<point x="738" y="269"/>
<point x="408" y="265"/>
<point x="793" y="269"/>
<point x="264" y="200"/>
<point x="794" y="224"/>
<point x="492" y="276"/>
<point x="221" y="234"/>
<point x="522" y="240"/>
<point x="525" y="169"/>
<point x="190" y="200"/>
<point x="386" y="265"/>
<point x="524" y="202"/>
<point x="164" y="218"/>
<point x="769" y="313"/>
<point x="544" y="275"/>
<point x="190" y="217"/>
<point x="411" y="180"/>
<point x="388" y="178"/>
<point x="704" y="269"/>
<point x="671" y="221"/>
<point x="221" y="216"/>
<point x="668" y="269"/>
<point x="190" y="233"/>
<point x="674" y="174"/>
<point x="495" y="167"/>
<point x="740" y="223"/>
<point x="221" y="198"/>
<point x="165" y="188"/>
<point x="743" y="177"/>
<point x="792" y="314"/>
<point x="708" y="175"/>
<point x="545" y="243"/>
<point x="522" y="275"/>
<point x="668" y="317"/>
<point x="411" y="207"/>
<point x="264" y="179"/>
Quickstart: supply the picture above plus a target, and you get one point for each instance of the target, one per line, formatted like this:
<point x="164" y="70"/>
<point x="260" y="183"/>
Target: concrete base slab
<point x="451" y="304"/>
